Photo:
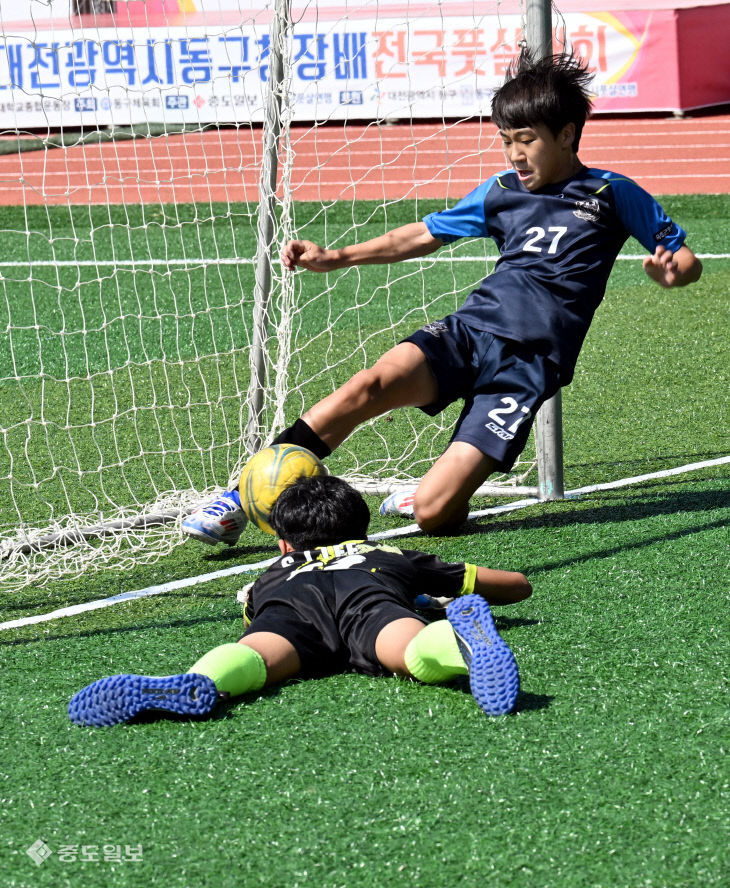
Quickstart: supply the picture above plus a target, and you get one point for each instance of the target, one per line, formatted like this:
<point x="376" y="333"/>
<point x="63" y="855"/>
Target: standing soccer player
<point x="559" y="227"/>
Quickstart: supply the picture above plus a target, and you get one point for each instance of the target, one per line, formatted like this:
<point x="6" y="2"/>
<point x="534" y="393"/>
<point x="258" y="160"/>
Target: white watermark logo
<point x="39" y="852"/>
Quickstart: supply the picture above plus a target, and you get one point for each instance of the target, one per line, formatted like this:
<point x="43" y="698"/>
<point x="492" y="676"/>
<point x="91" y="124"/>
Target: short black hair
<point x="320" y="511"/>
<point x="552" y="90"/>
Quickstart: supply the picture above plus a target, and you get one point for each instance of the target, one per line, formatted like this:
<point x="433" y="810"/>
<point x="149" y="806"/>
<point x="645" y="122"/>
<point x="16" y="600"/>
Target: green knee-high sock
<point x="235" y="668"/>
<point x="433" y="655"/>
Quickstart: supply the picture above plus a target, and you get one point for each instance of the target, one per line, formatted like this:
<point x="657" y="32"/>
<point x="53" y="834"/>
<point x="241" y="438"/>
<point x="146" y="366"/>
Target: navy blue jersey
<point x="557" y="247"/>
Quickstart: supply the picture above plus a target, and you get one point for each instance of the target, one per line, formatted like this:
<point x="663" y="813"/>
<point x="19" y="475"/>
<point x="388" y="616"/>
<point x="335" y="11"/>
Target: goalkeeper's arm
<point x="497" y="586"/>
<point x="407" y="242"/>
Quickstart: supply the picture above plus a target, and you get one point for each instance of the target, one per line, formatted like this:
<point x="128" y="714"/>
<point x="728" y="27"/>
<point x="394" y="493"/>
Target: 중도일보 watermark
<point x="40" y="851"/>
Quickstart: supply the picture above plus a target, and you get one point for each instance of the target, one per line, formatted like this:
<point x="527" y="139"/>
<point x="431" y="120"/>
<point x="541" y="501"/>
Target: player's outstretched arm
<point x="670" y="269"/>
<point x="502" y="586"/>
<point x="407" y="242"/>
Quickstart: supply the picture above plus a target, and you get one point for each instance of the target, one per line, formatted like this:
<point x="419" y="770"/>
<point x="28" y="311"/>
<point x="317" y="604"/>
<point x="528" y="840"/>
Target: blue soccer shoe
<point x="493" y="675"/>
<point x="119" y="698"/>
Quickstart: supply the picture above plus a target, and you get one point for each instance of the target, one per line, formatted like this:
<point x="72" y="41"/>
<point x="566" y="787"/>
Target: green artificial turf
<point x="612" y="771"/>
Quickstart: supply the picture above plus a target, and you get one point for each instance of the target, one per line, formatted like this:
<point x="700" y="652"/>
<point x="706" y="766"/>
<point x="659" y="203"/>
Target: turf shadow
<point x="231" y="553"/>
<point x="505" y="623"/>
<point x="228" y="709"/>
<point x="638" y="467"/>
<point x="526" y="700"/>
<point x="115" y="630"/>
<point x="642" y="505"/>
<point x="624" y="547"/>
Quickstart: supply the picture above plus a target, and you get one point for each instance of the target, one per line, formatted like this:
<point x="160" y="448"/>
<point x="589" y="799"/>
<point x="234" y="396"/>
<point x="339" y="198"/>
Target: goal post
<point x="266" y="228"/>
<point x="151" y="340"/>
<point x="549" y="420"/>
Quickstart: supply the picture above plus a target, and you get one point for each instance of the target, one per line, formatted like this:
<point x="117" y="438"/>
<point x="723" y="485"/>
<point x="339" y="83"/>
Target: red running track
<point x="363" y="161"/>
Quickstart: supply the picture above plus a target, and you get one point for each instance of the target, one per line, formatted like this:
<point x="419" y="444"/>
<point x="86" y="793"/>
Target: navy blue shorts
<point x="503" y="384"/>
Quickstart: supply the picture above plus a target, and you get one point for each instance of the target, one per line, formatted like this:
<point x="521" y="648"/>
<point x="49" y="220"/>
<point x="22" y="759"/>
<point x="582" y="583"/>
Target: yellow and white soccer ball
<point x="268" y="473"/>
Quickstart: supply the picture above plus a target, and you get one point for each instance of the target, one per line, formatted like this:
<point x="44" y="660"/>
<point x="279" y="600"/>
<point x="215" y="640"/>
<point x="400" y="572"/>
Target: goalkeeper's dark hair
<point x="552" y="90"/>
<point x="320" y="511"/>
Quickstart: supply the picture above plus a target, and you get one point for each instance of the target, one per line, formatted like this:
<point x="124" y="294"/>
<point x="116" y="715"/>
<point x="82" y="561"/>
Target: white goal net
<point x="149" y="340"/>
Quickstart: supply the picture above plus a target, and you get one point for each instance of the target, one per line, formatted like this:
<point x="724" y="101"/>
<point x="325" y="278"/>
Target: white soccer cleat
<point x="221" y="521"/>
<point x="399" y="503"/>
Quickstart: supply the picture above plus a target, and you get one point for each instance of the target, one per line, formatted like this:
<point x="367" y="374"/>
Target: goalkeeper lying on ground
<point x="335" y="603"/>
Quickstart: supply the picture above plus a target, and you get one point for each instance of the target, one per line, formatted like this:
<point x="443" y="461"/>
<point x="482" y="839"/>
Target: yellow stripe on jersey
<point x="609" y="182"/>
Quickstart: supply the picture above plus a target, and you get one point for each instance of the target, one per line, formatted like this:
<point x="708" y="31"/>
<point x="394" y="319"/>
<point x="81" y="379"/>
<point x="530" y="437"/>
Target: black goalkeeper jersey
<point x="350" y="572"/>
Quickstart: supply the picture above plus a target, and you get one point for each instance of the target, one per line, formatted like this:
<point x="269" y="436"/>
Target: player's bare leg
<point x="428" y="652"/>
<point x="278" y="653"/>
<point x="400" y="378"/>
<point x="392" y="642"/>
<point x="441" y="501"/>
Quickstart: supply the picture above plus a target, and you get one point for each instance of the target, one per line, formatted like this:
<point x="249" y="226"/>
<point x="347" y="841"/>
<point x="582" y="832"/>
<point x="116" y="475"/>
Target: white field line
<point x="209" y="164"/>
<point x="136" y="263"/>
<point x="75" y="609"/>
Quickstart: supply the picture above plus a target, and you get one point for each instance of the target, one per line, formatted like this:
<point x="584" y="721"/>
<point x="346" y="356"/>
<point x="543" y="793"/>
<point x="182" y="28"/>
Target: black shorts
<point x="332" y="625"/>
<point x="503" y="384"/>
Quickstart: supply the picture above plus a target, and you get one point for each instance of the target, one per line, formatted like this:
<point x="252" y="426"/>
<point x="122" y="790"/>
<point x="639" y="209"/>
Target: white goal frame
<point x="70" y="543"/>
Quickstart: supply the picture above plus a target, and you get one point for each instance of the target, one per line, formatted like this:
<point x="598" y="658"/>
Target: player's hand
<point x="663" y="267"/>
<point x="305" y="254"/>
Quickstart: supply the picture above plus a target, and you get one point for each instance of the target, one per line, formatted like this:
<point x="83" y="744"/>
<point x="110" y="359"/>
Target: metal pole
<point x="539" y="27"/>
<point x="549" y="444"/>
<point x="266" y="224"/>
<point x="549" y="423"/>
